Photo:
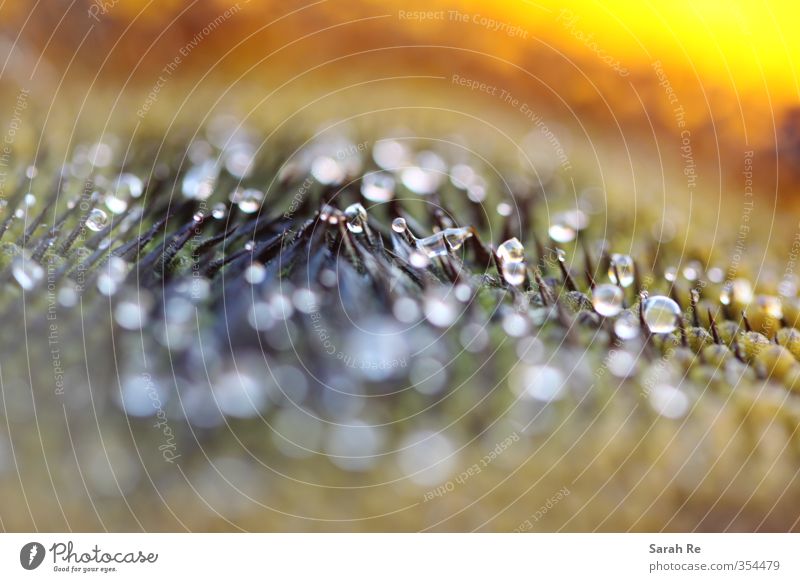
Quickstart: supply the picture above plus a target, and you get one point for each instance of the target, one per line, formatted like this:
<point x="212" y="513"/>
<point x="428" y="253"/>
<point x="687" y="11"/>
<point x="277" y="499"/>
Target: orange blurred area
<point x="725" y="71"/>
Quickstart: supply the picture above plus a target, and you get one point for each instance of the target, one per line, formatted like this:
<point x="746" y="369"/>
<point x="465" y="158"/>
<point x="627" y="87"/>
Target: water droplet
<point x="419" y="260"/>
<point x="561" y="255"/>
<point x="248" y="200"/>
<point x="198" y="216"/>
<point x="514" y="273"/>
<point x="607" y="299"/>
<point x="627" y="326"/>
<point x="515" y="325"/>
<point x="461" y="176"/>
<point x="68" y="294"/>
<point x="305" y="300"/>
<point x="399" y="225"/>
<point x="669" y="401"/>
<point x="455" y="237"/>
<point x="259" y="316"/>
<point x="356" y="216"/>
<point x="715" y="275"/>
<point x="544" y="383"/>
<point x="434" y="245"/>
<point x="738" y="291"/>
<point x="476" y="193"/>
<point x="239" y="160"/>
<point x="128" y="186"/>
<point x="770" y="305"/>
<point x="622" y="364"/>
<point x="624" y="266"/>
<point x="97" y="220"/>
<point x="29" y="199"/>
<point x="565" y="226"/>
<point x="377" y="187"/>
<point x="111" y="275"/>
<point x="511" y="251"/>
<point x="255" y="273"/>
<point x="219" y="211"/>
<point x="27" y="272"/>
<point x="100" y="155"/>
<point x="406" y="310"/>
<point x="115" y="204"/>
<point x="661" y="314"/>
<point x="670" y="274"/>
<point x="281" y="306"/>
<point x="425" y="177"/>
<point x="239" y="395"/>
<point x="390" y="154"/>
<point x="199" y="181"/>
<point x="131" y="311"/>
<point x="463" y="292"/>
<point x="692" y="271"/>
<point x="328" y="171"/>
<point x="504" y="209"/>
<point x="440" y="311"/>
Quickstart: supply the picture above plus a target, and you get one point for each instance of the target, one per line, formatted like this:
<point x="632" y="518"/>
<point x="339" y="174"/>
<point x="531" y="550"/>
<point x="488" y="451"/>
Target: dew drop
<point x="668" y="401"/>
<point x="406" y="310"/>
<point x="356" y="217"/>
<point x="622" y="264"/>
<point x="461" y="176"/>
<point x="425" y="177"/>
<point x="327" y="171"/>
<point x="419" y="260"/>
<point x="29" y="199"/>
<point x="434" y="245"/>
<point x="199" y="181"/>
<point x="115" y="204"/>
<point x="544" y="383"/>
<point x="439" y="311"/>
<point x="737" y="291"/>
<point x="627" y="326"/>
<point x="565" y="226"/>
<point x="511" y="251"/>
<point x="131" y="311"/>
<point x="607" y="299"/>
<point x="97" y="220"/>
<point x="255" y="273"/>
<point x="514" y="273"/>
<point x="455" y="237"/>
<point x="68" y="294"/>
<point x="399" y="225"/>
<point x="377" y="187"/>
<point x="661" y="314"/>
<point x="515" y="325"/>
<point x="504" y="209"/>
<point x="622" y="364"/>
<point x="770" y="306"/>
<point x="250" y="200"/>
<point x="390" y="154"/>
<point x="128" y="185"/>
<point x="219" y="211"/>
<point x="27" y="272"/>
